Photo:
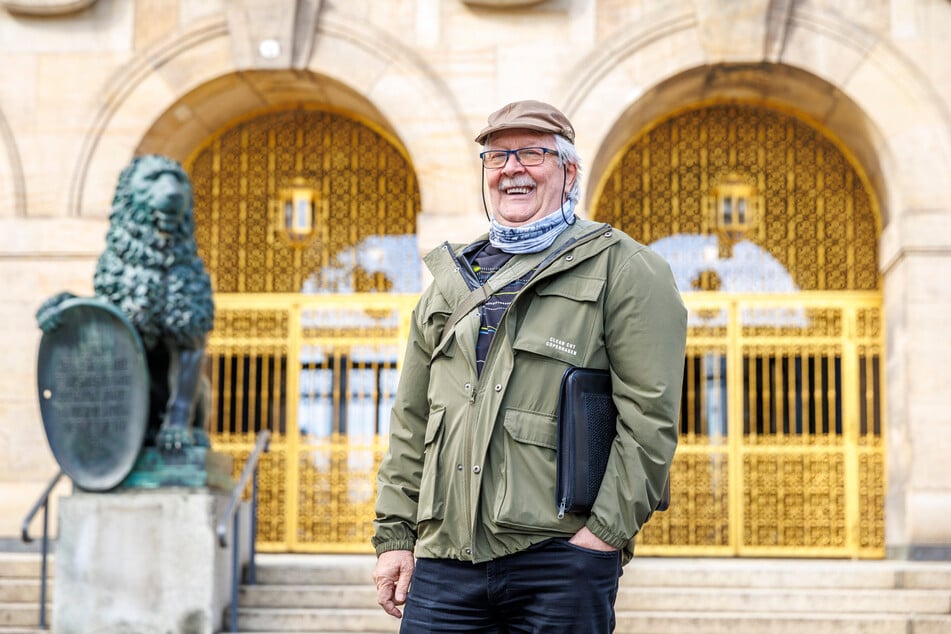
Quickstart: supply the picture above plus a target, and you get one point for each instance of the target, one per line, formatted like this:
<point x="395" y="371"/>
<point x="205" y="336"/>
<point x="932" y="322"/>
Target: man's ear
<point x="571" y="173"/>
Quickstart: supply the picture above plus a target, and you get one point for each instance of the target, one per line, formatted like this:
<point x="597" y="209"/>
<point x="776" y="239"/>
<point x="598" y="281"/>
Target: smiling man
<point x="469" y="534"/>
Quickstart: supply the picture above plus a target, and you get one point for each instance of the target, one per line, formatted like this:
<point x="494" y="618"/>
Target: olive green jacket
<point x="470" y="470"/>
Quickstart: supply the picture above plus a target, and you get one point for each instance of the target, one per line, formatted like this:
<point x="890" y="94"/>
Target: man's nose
<point x="512" y="164"/>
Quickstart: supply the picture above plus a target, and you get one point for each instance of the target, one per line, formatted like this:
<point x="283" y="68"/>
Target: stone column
<point x="917" y="265"/>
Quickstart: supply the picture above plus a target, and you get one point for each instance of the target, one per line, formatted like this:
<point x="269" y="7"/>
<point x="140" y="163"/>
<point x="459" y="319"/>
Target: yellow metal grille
<point x="368" y="185"/>
<point x="781" y="449"/>
<point x="818" y="218"/>
<point x="298" y="348"/>
<point x="781" y="427"/>
<point x="320" y="372"/>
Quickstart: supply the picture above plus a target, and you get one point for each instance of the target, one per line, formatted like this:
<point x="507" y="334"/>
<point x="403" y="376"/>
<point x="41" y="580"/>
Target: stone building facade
<point x="87" y="84"/>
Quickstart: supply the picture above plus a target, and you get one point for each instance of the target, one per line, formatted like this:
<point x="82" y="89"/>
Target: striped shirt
<point x="486" y="262"/>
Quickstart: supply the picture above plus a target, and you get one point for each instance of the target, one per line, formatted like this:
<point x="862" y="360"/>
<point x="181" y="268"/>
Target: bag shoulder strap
<point x="481" y="294"/>
<point x="519" y="267"/>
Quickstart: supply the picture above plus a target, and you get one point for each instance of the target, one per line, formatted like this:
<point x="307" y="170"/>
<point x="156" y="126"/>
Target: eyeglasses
<point x="527" y="156"/>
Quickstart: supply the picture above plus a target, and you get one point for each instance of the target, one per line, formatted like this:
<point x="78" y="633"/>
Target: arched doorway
<point x="306" y="220"/>
<point x="772" y="233"/>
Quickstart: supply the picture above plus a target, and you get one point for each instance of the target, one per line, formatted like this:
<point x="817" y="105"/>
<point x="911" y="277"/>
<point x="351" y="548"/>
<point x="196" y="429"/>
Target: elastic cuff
<point x="394" y="544"/>
<point x="605" y="534"/>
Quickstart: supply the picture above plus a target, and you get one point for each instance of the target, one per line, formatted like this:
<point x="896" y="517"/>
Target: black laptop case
<point x="587" y="420"/>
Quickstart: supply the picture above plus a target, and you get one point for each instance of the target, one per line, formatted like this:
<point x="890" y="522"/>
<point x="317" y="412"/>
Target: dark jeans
<point x="551" y="588"/>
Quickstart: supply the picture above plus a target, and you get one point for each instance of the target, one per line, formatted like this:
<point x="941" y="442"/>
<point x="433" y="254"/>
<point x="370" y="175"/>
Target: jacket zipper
<point x="469" y="276"/>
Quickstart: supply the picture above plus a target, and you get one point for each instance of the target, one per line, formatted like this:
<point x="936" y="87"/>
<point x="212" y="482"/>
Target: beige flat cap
<point x="528" y="115"/>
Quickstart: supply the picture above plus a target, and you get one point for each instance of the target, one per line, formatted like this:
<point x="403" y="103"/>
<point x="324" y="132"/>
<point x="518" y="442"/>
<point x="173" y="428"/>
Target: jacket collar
<point x="582" y="240"/>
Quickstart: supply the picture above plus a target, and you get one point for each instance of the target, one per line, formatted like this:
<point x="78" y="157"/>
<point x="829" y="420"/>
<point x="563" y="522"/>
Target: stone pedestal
<point x="142" y="562"/>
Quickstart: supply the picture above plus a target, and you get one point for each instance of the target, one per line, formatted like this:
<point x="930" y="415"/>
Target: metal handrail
<point x="44" y="503"/>
<point x="231" y="516"/>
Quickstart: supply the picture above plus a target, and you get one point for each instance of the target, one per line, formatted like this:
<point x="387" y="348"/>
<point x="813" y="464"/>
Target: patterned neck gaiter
<point x="533" y="237"/>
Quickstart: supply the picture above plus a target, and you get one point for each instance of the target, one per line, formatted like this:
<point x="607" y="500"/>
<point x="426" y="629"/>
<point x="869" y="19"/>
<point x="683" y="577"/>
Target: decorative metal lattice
<point x="320" y="372"/>
<point x="781" y="448"/>
<point x="781" y="432"/>
<point x="307" y="333"/>
<point x="818" y="220"/>
<point x="366" y="187"/>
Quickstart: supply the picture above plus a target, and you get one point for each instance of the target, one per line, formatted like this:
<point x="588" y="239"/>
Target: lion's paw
<point x="48" y="314"/>
<point x="174" y="438"/>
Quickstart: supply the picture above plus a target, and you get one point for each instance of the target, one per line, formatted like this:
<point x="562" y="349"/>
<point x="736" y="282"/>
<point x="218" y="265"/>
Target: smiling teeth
<point x="518" y="190"/>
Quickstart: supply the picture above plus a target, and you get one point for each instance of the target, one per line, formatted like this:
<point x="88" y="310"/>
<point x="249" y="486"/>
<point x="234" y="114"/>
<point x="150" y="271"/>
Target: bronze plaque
<point x="94" y="393"/>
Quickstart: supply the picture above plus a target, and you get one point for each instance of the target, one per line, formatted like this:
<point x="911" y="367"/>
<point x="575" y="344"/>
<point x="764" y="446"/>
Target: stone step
<point x="20" y="592"/>
<point x="334" y="593"/>
<point x="783" y="573"/>
<point x="23" y="590"/>
<point x="658" y="572"/>
<point x="366" y="621"/>
<point x="316" y="620"/>
<point x="21" y="614"/>
<point x="315" y="569"/>
<point x="23" y="565"/>
<point x="644" y="599"/>
<point x="778" y="623"/>
<point x="801" y="601"/>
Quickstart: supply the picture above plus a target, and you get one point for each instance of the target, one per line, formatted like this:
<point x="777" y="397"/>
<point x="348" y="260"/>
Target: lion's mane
<point x="155" y="278"/>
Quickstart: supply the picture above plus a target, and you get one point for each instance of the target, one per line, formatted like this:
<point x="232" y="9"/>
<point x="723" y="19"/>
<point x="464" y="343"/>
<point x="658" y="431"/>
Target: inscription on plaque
<point x="93" y="387"/>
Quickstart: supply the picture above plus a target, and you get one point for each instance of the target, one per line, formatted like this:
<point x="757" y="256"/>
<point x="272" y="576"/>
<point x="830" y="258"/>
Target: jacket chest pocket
<point x="563" y="319"/>
<point x="431" y="496"/>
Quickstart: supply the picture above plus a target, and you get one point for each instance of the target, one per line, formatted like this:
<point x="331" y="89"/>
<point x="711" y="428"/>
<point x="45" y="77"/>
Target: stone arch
<point x="827" y="69"/>
<point x="167" y="100"/>
<point x="12" y="186"/>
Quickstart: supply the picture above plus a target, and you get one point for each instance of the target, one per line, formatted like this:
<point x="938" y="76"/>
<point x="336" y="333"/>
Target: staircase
<point x="334" y="593"/>
<point x="20" y="593"/>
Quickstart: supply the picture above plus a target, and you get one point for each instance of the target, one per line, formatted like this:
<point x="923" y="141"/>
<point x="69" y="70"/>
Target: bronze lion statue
<point x="151" y="271"/>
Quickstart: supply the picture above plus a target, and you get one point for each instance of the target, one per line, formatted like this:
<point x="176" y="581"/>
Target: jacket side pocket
<point x="526" y="495"/>
<point x="431" y="500"/>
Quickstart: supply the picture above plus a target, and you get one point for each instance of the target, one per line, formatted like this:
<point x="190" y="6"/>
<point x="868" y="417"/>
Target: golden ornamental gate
<point x="306" y="219"/>
<point x="320" y="373"/>
<point x="772" y="235"/>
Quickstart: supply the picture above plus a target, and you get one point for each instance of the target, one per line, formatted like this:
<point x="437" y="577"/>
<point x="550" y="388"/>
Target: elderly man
<point x="469" y="535"/>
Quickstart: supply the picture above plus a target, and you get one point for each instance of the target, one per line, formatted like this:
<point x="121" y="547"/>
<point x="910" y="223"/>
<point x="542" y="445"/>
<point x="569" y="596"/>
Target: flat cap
<point x="528" y="115"/>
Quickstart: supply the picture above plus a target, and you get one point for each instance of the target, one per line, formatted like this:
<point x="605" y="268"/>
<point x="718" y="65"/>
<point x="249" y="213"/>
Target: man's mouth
<point x="516" y="186"/>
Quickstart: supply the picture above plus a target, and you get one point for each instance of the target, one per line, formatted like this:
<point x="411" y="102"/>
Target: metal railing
<point x="232" y="517"/>
<point x="42" y="503"/>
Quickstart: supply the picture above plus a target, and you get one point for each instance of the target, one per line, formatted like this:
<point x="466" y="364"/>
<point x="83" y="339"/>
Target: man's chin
<point x="516" y="216"/>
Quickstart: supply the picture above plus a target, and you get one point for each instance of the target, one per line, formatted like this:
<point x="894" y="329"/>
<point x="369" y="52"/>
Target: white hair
<point x="568" y="154"/>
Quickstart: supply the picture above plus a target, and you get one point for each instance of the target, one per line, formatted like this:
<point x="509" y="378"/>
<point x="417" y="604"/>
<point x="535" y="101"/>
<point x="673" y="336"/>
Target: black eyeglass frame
<point x="544" y="151"/>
